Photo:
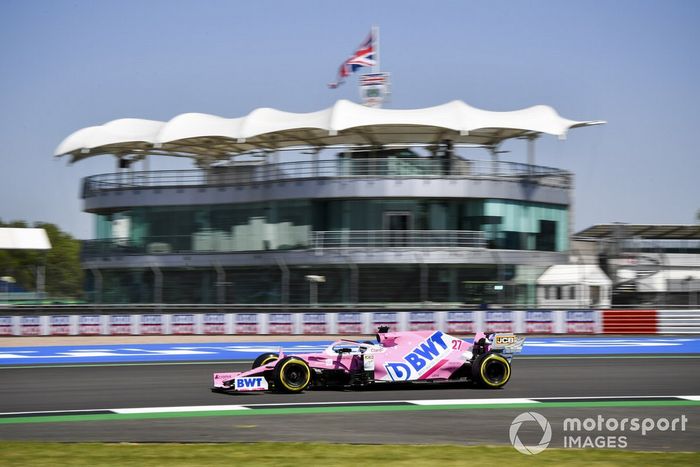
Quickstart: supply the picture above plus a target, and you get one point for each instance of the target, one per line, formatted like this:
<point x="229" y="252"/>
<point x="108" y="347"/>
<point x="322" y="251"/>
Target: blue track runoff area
<point x="550" y="346"/>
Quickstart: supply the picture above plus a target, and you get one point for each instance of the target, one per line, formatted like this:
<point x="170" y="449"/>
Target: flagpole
<point x="375" y="42"/>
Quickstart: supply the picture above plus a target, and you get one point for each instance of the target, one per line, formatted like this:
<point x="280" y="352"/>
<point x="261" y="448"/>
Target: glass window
<point x="595" y="295"/>
<point x="546" y="238"/>
<point x="388" y="284"/>
<point x="526" y="225"/>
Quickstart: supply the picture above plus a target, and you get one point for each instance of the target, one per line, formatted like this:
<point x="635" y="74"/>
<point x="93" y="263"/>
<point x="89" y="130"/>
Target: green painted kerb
<point x="339" y="409"/>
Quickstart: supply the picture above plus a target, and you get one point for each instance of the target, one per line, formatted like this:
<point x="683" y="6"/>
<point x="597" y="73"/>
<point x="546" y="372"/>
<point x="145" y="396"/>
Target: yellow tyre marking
<point x="483" y="366"/>
<point x="267" y="360"/>
<point x="308" y="374"/>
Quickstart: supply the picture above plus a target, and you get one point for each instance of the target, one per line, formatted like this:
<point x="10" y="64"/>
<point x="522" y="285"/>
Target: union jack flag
<point x="363" y="57"/>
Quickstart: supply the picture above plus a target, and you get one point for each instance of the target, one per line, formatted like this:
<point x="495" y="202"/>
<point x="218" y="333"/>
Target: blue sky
<point x="70" y="64"/>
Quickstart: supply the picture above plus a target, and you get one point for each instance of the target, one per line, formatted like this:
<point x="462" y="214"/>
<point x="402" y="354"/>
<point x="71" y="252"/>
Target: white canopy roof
<point x="23" y="239"/>
<point x="563" y="274"/>
<point x="347" y="123"/>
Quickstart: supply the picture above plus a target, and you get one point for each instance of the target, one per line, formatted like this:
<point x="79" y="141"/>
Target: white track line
<point x="302" y="404"/>
<point x="68" y="411"/>
<point x="597" y="398"/>
<point x="193" y="408"/>
<point x="513" y="400"/>
<point x="420" y="402"/>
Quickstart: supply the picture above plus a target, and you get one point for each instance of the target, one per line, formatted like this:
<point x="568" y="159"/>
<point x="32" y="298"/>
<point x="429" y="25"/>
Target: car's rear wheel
<point x="292" y="374"/>
<point x="491" y="370"/>
<point x="264" y="359"/>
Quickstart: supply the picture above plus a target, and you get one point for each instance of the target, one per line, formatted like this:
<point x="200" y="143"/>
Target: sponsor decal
<point x="421" y="359"/>
<point x="280" y="323"/>
<point x="29" y="326"/>
<point x="368" y="361"/>
<point x="59" y="325"/>
<point x="251" y="383"/>
<point x="580" y="322"/>
<point x="385" y="319"/>
<point x="460" y="322"/>
<point x="499" y="321"/>
<point x="540" y="322"/>
<point x="246" y="323"/>
<point x="349" y="323"/>
<point x="214" y="323"/>
<point x="182" y="324"/>
<point x="89" y="325"/>
<point x="505" y="339"/>
<point x="421" y="321"/>
<point x="119" y="324"/>
<point x="314" y="323"/>
<point x="152" y="324"/>
<point x="5" y="325"/>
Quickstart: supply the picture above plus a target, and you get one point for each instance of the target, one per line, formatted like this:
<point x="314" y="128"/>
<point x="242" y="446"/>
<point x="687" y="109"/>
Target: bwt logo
<point x="248" y="382"/>
<point x="418" y="359"/>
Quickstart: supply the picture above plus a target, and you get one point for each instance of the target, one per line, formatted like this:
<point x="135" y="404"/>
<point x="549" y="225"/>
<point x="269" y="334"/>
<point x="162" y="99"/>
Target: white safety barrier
<point x="678" y="321"/>
<point x="357" y="322"/>
<point x="304" y="322"/>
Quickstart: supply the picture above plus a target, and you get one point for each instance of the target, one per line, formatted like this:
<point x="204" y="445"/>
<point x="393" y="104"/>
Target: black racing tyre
<point x="292" y="374"/>
<point x="264" y="359"/>
<point x="491" y="370"/>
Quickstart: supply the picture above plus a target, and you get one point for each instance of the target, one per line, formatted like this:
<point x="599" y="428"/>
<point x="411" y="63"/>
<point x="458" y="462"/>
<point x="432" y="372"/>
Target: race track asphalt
<point x="161" y="385"/>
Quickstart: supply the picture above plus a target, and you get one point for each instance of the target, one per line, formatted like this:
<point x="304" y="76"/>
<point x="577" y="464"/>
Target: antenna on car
<point x="381" y="330"/>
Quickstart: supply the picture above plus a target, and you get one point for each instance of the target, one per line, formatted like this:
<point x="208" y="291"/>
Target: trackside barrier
<point x="308" y="322"/>
<point x="630" y="322"/>
<point x="357" y="322"/>
<point x="678" y="322"/>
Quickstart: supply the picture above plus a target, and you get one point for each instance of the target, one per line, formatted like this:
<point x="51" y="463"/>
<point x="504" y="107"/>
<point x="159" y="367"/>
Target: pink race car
<point x="395" y="357"/>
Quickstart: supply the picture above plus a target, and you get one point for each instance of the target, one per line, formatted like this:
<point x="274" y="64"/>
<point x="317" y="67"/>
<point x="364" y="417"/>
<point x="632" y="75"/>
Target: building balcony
<point x="256" y="173"/>
<point x="297" y="238"/>
<point x="382" y="239"/>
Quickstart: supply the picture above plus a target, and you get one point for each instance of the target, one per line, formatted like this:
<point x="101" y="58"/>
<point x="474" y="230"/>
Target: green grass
<point x="315" y="454"/>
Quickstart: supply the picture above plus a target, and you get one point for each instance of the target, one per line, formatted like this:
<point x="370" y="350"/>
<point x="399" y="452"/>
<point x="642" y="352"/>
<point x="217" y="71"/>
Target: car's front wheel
<point x="292" y="374"/>
<point x="491" y="370"/>
<point x="264" y="359"/>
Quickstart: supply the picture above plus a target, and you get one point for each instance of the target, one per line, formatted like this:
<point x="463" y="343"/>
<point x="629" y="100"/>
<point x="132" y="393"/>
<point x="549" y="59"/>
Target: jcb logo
<point x="505" y="339"/>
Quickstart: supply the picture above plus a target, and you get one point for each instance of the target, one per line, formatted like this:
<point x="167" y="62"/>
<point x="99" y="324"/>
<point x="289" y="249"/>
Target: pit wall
<point x="357" y="322"/>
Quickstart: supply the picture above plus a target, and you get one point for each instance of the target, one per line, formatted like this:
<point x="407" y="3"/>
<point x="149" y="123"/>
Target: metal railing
<point x="660" y="246"/>
<point x="671" y="316"/>
<point x="398" y="239"/>
<point x="337" y="168"/>
<point x="152" y="245"/>
<point x="178" y="244"/>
